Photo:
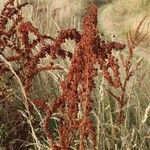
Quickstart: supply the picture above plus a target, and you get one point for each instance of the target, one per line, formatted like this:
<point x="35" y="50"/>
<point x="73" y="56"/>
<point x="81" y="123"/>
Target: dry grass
<point x="134" y="132"/>
<point x="125" y="16"/>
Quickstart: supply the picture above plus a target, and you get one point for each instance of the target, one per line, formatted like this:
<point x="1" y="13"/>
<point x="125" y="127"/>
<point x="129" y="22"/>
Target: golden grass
<point x="125" y="15"/>
<point x="134" y="133"/>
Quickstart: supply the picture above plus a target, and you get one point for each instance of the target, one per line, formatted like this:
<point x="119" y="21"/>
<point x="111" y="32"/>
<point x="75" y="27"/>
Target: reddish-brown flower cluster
<point x="79" y="82"/>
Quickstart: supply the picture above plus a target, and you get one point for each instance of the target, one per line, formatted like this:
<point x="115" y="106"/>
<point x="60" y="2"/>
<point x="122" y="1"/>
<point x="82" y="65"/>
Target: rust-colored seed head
<point x="79" y="82"/>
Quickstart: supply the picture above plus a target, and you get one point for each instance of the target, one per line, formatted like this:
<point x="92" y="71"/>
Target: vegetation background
<point x="115" y="17"/>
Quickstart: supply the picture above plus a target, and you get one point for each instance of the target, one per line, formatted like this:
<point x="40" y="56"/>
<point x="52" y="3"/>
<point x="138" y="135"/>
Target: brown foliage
<point x="76" y="88"/>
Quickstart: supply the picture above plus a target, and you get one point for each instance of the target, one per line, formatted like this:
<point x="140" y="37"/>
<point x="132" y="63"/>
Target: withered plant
<point x="74" y="105"/>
